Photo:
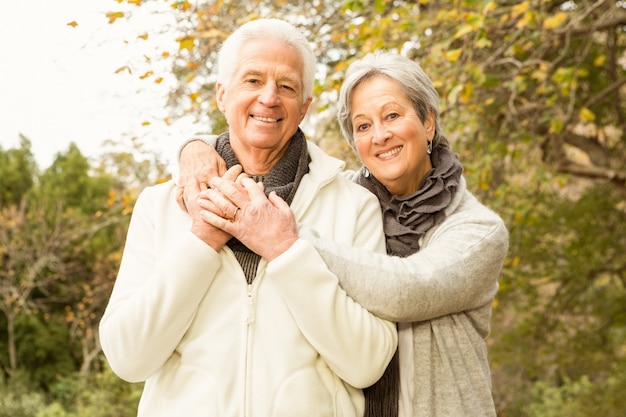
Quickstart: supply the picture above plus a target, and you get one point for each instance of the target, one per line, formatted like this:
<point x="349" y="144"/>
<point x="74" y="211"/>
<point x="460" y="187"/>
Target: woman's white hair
<point x="417" y="86"/>
<point x="267" y="29"/>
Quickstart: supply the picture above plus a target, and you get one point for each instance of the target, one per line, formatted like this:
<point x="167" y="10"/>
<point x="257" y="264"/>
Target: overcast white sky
<point x="58" y="83"/>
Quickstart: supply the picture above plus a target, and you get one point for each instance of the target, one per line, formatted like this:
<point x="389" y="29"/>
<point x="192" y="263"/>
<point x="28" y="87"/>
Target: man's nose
<point x="269" y="95"/>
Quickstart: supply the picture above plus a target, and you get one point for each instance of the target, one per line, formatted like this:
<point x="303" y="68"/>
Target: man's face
<point x="263" y="102"/>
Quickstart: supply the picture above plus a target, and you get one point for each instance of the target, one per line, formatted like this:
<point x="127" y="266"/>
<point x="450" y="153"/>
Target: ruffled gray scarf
<point x="283" y="178"/>
<point x="405" y="221"/>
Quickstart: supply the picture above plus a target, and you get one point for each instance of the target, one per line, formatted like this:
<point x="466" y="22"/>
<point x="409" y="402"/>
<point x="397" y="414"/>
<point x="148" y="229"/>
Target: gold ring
<point x="234" y="215"/>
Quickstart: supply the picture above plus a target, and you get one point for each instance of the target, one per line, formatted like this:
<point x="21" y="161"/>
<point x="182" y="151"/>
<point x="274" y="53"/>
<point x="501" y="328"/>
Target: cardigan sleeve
<point x="456" y="270"/>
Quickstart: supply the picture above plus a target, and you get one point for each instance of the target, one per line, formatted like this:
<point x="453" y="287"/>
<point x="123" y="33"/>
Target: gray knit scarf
<point x="405" y="220"/>
<point x="283" y="178"/>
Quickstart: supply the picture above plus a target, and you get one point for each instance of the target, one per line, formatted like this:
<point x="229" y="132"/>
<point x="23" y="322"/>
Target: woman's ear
<point x="430" y="125"/>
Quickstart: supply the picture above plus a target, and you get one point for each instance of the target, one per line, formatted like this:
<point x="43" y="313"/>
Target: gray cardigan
<point x="441" y="298"/>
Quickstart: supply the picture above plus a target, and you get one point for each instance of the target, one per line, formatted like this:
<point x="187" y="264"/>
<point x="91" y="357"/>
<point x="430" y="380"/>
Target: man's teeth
<point x="265" y="119"/>
<point x="389" y="153"/>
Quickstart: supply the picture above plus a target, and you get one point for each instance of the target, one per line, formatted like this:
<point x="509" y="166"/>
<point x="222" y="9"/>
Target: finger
<point x="233" y="172"/>
<point x="278" y="202"/>
<point x="253" y="188"/>
<point x="207" y="204"/>
<point x="216" y="202"/>
<point x="240" y="177"/>
<point x="221" y="167"/>
<point x="218" y="221"/>
<point x="235" y="193"/>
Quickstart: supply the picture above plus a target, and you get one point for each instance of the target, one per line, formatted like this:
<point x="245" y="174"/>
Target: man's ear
<point x="305" y="107"/>
<point x="219" y="95"/>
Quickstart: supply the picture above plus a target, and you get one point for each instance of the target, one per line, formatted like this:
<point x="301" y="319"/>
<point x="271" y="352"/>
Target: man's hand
<point x="197" y="165"/>
<point x="265" y="225"/>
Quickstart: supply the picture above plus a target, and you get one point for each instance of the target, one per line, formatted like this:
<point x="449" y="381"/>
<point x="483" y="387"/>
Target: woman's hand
<point x="265" y="225"/>
<point x="198" y="163"/>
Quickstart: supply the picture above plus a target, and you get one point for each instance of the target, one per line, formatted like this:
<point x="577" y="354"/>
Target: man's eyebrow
<point x="251" y="72"/>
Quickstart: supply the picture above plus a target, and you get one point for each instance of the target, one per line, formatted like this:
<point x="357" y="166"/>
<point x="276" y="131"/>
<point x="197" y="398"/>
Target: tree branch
<point x="617" y="178"/>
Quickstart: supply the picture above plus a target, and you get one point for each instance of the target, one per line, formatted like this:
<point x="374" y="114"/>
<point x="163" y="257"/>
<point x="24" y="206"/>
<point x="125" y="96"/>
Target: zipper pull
<point x="250" y="306"/>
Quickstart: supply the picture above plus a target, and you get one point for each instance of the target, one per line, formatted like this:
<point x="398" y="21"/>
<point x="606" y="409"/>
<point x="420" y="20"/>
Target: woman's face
<point x="389" y="137"/>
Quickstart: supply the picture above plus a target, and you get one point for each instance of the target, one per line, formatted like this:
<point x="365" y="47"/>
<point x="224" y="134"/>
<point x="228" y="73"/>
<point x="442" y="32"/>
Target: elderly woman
<point x="445" y="249"/>
<point x="214" y="329"/>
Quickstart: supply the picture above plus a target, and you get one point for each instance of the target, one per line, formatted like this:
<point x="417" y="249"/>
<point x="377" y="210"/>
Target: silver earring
<point x="366" y="172"/>
<point x="429" y="147"/>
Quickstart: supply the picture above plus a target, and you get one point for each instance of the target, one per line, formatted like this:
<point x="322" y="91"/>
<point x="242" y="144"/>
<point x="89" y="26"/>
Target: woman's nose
<point x="380" y="134"/>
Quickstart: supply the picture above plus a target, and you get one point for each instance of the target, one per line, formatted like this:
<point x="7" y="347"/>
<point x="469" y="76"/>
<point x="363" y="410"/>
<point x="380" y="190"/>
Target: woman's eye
<point x="362" y="127"/>
<point x="392" y="116"/>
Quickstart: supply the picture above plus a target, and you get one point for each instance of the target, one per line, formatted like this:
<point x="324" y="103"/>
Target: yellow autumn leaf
<point x="556" y="126"/>
<point x="165" y="54"/>
<point x="185" y="42"/>
<point x="194" y="96"/>
<point x="146" y="74"/>
<point x="599" y="61"/>
<point x="181" y="5"/>
<point x="72" y="24"/>
<point x="135" y="2"/>
<point x="526" y="20"/>
<point x="113" y="16"/>
<point x="489" y="7"/>
<point x="158" y="80"/>
<point x="462" y="31"/>
<point x="555" y="21"/>
<point x="466" y="93"/>
<point x="453" y="55"/>
<point x="520" y="8"/>
<point x="586" y="115"/>
<point x="143" y="36"/>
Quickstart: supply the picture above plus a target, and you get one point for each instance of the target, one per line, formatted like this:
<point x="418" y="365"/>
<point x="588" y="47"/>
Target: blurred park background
<point x="533" y="101"/>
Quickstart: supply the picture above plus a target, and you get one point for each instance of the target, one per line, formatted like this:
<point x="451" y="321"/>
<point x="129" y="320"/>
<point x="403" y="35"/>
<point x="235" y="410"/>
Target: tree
<point x="17" y="173"/>
<point x="532" y="97"/>
<point x="58" y="243"/>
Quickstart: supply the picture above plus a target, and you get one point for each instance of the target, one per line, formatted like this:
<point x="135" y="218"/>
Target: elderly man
<point x="213" y="328"/>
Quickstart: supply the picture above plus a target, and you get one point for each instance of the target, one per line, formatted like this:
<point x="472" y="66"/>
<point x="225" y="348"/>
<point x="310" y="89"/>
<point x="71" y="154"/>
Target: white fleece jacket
<point x="182" y="317"/>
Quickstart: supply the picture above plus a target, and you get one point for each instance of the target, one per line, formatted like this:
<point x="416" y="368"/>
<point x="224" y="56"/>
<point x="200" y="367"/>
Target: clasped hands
<point x="234" y="205"/>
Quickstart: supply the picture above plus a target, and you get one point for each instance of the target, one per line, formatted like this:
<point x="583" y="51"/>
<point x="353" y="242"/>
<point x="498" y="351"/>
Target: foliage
<point x="532" y="98"/>
<point x="579" y="398"/>
<point x="560" y="314"/>
<point x="530" y="75"/>
<point x="60" y="244"/>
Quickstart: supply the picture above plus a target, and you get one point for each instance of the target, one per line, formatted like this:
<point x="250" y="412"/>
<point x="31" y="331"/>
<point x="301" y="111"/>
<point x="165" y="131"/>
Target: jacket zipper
<point x="250" y="317"/>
